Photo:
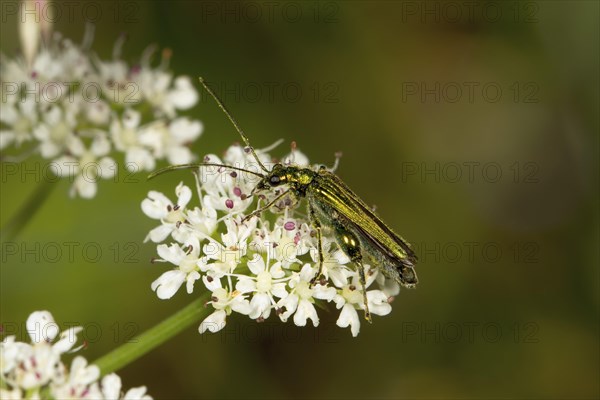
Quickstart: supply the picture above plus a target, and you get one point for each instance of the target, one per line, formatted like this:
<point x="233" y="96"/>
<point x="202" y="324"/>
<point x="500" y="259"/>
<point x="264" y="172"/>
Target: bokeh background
<point x="429" y="102"/>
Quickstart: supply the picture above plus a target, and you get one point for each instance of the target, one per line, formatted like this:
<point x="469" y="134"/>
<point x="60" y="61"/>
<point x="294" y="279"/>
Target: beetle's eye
<point x="274" y="180"/>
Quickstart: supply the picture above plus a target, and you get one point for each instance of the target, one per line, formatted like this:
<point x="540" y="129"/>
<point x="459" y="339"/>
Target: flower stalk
<point x="37" y="199"/>
<point x="155" y="336"/>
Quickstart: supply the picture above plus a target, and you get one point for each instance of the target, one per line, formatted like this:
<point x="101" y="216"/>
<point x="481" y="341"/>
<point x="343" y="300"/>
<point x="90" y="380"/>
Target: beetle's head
<point x="276" y="177"/>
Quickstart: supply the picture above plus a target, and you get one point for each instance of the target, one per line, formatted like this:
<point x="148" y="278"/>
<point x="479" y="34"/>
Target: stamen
<point x="147" y="54"/>
<point x="271" y="147"/>
<point x="336" y="163"/>
<point x="166" y="58"/>
<point x="292" y="158"/>
<point x="88" y="36"/>
<point x="119" y="46"/>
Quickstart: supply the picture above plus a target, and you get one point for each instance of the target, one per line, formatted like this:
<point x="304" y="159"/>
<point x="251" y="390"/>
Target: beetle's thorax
<point x="296" y="178"/>
<point x="299" y="176"/>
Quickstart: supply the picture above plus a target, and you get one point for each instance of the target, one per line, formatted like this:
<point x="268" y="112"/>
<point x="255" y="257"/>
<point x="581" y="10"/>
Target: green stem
<point x="35" y="201"/>
<point x="167" y="329"/>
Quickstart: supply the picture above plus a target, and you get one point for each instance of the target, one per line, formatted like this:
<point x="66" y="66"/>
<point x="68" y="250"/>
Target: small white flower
<point x="265" y="286"/>
<point x="87" y="165"/>
<point x="111" y="390"/>
<point x="35" y="370"/>
<point x="300" y="301"/>
<point x="21" y="117"/>
<point x="56" y="131"/>
<point x="156" y="87"/>
<point x="224" y="303"/>
<point x="334" y="263"/>
<point x="80" y="381"/>
<point x="350" y="298"/>
<point x="126" y="135"/>
<point x="171" y="142"/>
<point x="202" y="222"/>
<point x="187" y="261"/>
<point x="172" y="216"/>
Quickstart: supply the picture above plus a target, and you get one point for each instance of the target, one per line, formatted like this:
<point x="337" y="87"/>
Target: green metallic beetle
<point x="360" y="233"/>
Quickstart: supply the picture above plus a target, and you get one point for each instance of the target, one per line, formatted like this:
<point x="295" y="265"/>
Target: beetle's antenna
<point x="233" y="121"/>
<point x="192" y="166"/>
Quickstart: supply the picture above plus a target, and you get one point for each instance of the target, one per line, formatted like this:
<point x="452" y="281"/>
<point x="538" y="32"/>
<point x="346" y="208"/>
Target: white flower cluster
<point x="75" y="109"/>
<point x="35" y="371"/>
<point x="254" y="266"/>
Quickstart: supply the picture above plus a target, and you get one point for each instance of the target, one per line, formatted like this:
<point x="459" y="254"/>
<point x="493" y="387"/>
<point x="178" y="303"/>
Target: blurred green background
<point x="508" y="300"/>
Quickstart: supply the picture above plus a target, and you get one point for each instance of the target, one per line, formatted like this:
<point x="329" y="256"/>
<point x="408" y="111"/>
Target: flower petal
<point x="214" y="322"/>
<point x="349" y="317"/>
<point x="41" y="327"/>
<point x="160" y="233"/>
<point x="184" y="195"/>
<point x="173" y="253"/>
<point x="168" y="284"/>
<point x="192" y="277"/>
<point x="111" y="386"/>
<point x="156" y="205"/>
<point x="306" y="310"/>
<point x="378" y="302"/>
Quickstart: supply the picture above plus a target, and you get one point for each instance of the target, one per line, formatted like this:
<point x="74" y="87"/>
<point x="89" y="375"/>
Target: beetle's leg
<point x="363" y="283"/>
<point x="408" y="276"/>
<point x="315" y="222"/>
<point x="260" y="210"/>
<point x="351" y="246"/>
